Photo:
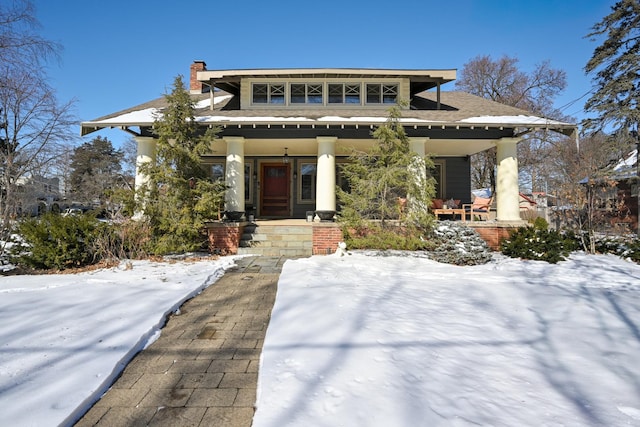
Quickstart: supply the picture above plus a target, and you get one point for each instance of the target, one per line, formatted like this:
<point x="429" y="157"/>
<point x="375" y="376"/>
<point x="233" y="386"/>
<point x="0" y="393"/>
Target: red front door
<point x="274" y="197"/>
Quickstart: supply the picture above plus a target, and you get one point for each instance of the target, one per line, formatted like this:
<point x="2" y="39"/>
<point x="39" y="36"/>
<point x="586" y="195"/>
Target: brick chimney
<point x="194" y="85"/>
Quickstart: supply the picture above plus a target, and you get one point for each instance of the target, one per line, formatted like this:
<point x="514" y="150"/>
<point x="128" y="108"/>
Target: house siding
<point x="458" y="178"/>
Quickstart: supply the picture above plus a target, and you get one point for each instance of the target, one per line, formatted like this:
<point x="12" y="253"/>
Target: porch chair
<point x="480" y="207"/>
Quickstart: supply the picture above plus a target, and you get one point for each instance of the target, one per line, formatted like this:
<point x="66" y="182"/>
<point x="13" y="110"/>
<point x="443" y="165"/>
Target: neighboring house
<point x="618" y="193"/>
<point x="285" y="132"/>
<point x="37" y="194"/>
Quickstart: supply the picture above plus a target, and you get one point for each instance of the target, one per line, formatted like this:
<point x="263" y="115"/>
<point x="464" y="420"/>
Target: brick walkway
<point x="203" y="369"/>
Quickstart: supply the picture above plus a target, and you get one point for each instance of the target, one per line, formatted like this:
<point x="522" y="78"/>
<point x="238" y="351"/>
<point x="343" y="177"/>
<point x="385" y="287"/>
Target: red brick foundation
<point x="493" y="234"/>
<point x="326" y="237"/>
<point x="224" y="238"/>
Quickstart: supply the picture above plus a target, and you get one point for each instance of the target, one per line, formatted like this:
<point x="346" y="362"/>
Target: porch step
<point x="277" y="240"/>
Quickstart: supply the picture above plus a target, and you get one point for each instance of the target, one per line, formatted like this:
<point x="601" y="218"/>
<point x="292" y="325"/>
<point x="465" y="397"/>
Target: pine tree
<point x="383" y="179"/>
<point x="95" y="170"/>
<point x="616" y="65"/>
<point x="179" y="197"/>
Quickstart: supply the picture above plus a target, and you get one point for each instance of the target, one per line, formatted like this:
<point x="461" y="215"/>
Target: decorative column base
<point x="233" y="216"/>
<point x="326" y="216"/>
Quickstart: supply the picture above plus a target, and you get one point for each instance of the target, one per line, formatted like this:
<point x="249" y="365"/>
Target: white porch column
<point x="507" y="190"/>
<point x="234" y="176"/>
<point x="326" y="178"/>
<point x="418" y="146"/>
<point x="146" y="153"/>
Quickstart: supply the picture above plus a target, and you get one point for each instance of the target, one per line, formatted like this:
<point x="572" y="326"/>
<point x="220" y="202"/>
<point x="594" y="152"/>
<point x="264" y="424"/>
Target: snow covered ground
<point x="354" y="341"/>
<point x="65" y="337"/>
<point x="388" y="341"/>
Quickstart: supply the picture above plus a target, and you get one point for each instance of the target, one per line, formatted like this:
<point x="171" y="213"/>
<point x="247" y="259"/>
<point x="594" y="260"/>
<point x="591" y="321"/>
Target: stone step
<point x="274" y="240"/>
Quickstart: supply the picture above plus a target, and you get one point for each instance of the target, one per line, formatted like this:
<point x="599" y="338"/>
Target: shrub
<point x="540" y="223"/>
<point x="537" y="243"/>
<point x="127" y="239"/>
<point x="625" y="247"/>
<point x="632" y="251"/>
<point x="454" y="243"/>
<point x="53" y="241"/>
<point x="375" y="236"/>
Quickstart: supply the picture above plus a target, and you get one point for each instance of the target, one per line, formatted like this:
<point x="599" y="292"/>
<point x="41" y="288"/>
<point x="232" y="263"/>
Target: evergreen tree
<point x="616" y="65"/>
<point x="179" y="195"/>
<point x="95" y="170"/>
<point x="389" y="182"/>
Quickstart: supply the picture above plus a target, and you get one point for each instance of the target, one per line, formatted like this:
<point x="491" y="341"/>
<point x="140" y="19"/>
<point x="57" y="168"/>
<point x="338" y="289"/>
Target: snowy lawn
<point x="64" y="338"/>
<point x="391" y="341"/>
<point x="354" y="341"/>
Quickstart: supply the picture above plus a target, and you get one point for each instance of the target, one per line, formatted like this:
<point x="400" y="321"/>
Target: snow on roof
<point x="216" y="100"/>
<point x="519" y="120"/>
<point x="140" y="116"/>
<point x="628" y="162"/>
<point x="148" y="115"/>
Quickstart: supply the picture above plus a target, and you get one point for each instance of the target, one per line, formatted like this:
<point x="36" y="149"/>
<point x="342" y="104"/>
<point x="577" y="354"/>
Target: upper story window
<point x="381" y="93"/>
<point x="267" y="93"/>
<point x="324" y="93"/>
<point x="340" y="93"/>
<point x="303" y="93"/>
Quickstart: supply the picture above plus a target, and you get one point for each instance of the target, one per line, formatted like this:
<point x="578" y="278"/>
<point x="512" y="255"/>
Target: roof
<point x="420" y="80"/>
<point x="458" y="109"/>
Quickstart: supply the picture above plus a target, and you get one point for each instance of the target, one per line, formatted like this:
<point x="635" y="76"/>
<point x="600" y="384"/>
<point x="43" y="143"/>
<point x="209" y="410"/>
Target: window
<point x="298" y="93"/>
<point x="308" y="174"/>
<point x="267" y="93"/>
<point x="373" y="94"/>
<point x="438" y="172"/>
<point x="323" y="93"/>
<point x="340" y="93"/>
<point x="382" y="93"/>
<point x="302" y="93"/>
<point x="389" y="94"/>
<point x="336" y="94"/>
<point x="276" y="94"/>
<point x="260" y="94"/>
<point x="248" y="179"/>
<point x="314" y="94"/>
<point x="217" y="172"/>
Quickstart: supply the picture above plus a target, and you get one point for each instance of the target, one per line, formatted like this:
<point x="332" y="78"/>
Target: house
<point x="616" y="190"/>
<point x="286" y="131"/>
<point x="37" y="194"/>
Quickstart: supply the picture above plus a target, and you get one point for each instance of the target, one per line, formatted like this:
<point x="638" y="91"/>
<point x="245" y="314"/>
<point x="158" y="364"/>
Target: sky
<point x="123" y="53"/>
<point x="408" y="342"/>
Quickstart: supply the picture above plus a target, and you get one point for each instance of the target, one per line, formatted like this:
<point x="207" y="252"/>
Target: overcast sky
<point x="118" y="54"/>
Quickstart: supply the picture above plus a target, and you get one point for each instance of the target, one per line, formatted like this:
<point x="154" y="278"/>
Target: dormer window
<point x="381" y="93"/>
<point x="324" y="93"/>
<point x="268" y="93"/>
<point x="303" y="93"/>
<point x="340" y="93"/>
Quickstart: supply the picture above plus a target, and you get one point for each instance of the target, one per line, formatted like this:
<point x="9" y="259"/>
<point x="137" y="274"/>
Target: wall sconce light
<point x="295" y="175"/>
<point x="255" y="176"/>
<point x="285" y="157"/>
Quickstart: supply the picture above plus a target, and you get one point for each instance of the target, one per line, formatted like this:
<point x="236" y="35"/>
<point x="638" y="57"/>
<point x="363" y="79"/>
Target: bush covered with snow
<point x="458" y="244"/>
<point x="624" y="246"/>
<point x="538" y="243"/>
